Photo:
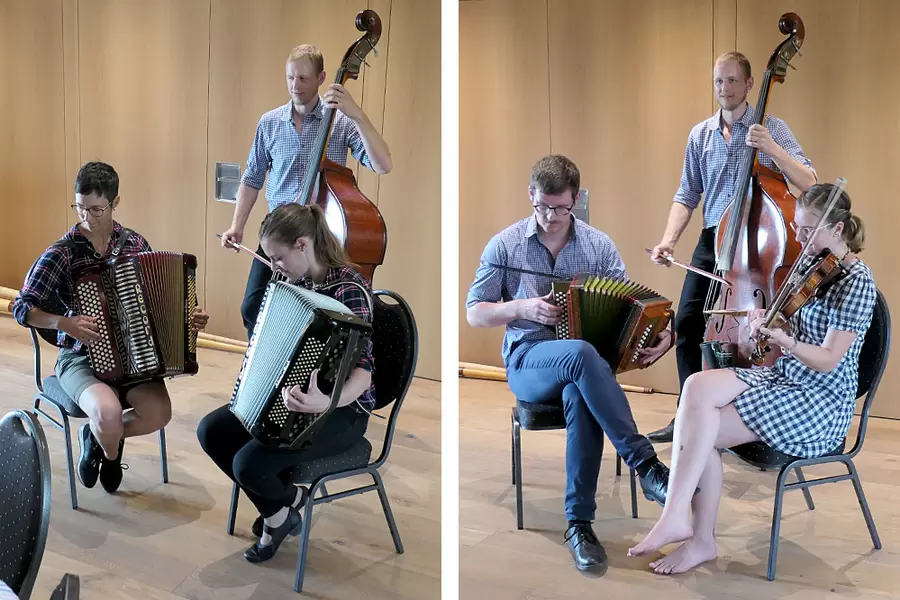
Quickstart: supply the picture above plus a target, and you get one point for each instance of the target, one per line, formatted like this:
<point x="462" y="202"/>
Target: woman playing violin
<point x="801" y="406"/>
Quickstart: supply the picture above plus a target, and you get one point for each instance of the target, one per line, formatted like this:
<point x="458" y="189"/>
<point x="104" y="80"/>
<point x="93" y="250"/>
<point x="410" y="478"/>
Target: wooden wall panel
<point x="409" y="197"/>
<point x="36" y="189"/>
<point x="629" y="123"/>
<point x="504" y="129"/>
<point x="247" y="79"/>
<point x="143" y="82"/>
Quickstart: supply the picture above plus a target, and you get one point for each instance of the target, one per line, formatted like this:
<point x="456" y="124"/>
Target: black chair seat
<point x="535" y="416"/>
<point x="763" y="456"/>
<point x="354" y="458"/>
<point x="54" y="392"/>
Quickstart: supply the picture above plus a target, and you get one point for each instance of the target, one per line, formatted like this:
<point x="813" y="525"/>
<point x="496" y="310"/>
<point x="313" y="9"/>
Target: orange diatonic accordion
<point x="144" y="305"/>
<point x="616" y="317"/>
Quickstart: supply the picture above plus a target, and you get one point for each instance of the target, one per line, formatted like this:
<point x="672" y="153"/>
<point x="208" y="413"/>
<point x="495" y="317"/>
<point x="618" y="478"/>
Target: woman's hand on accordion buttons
<point x="313" y="401"/>
<point x="82" y="327"/>
<point x="200" y="319"/>
<point x="663" y="343"/>
<point x="540" y="310"/>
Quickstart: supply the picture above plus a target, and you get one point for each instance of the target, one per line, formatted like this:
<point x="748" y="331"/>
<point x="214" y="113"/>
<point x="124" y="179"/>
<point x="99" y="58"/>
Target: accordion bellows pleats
<point x="296" y="332"/>
<point x="144" y="305"/>
<point x="617" y="317"/>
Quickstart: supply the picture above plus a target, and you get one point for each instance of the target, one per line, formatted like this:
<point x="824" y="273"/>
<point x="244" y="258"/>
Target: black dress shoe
<point x="91" y="455"/>
<point x="663" y="435"/>
<point x="655" y="483"/>
<point x="585" y="548"/>
<point x="258" y="553"/>
<point x="111" y="470"/>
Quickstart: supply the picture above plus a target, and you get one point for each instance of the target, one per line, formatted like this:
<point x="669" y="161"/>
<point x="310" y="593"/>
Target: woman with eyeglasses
<point x="801" y="406"/>
<point x="46" y="301"/>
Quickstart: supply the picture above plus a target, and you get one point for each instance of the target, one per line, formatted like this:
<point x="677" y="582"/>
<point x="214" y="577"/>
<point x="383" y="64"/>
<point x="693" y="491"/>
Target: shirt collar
<point x="746" y="119"/>
<point x="78" y="237"/>
<point x="316" y="112"/>
<point x="531" y="227"/>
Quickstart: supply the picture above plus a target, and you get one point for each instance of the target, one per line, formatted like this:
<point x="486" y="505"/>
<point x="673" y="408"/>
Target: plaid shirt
<point x="712" y="166"/>
<point x="278" y="148"/>
<point x="49" y="285"/>
<point x="354" y="299"/>
<point x="588" y="250"/>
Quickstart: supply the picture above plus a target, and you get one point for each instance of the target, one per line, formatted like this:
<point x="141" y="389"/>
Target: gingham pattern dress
<point x="794" y="408"/>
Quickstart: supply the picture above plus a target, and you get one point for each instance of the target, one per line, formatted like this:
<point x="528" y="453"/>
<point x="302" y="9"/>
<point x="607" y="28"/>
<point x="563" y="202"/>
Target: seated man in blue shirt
<point x="539" y="367"/>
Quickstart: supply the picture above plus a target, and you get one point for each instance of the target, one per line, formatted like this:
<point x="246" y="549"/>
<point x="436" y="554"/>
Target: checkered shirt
<point x="519" y="246"/>
<point x="796" y="409"/>
<point x="278" y="148"/>
<point x="712" y="166"/>
<point x="354" y="299"/>
<point x="49" y="285"/>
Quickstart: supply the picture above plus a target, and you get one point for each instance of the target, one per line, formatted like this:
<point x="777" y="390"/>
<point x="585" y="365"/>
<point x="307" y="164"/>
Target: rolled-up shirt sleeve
<point x="259" y="161"/>
<point x="42" y="284"/>
<point x="691" y="186"/>
<point x="488" y="283"/>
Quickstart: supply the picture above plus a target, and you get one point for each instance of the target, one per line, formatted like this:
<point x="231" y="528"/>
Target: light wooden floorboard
<point x="826" y="553"/>
<point x="155" y="541"/>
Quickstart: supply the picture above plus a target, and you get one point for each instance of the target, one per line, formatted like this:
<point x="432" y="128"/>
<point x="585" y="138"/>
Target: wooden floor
<point x="826" y="553"/>
<point x="152" y="541"/>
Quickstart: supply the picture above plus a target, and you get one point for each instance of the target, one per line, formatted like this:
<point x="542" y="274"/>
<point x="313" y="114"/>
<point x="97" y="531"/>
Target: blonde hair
<point x="739" y="59"/>
<point x="308" y="51"/>
<point x="816" y="198"/>
<point x="291" y="221"/>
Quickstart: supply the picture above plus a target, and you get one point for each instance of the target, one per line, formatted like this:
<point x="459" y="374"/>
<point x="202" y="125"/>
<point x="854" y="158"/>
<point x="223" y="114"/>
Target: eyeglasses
<point x="806" y="231"/>
<point x="96" y="211"/>
<point x="559" y="211"/>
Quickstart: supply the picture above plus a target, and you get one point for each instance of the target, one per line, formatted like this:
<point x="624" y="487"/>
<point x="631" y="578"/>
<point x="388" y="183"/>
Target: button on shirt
<point x="278" y="148"/>
<point x="519" y="246"/>
<point x="712" y="166"/>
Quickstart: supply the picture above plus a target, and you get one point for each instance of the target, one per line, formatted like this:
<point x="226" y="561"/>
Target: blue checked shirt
<point x="589" y="250"/>
<point x="278" y="148"/>
<point x="712" y="166"/>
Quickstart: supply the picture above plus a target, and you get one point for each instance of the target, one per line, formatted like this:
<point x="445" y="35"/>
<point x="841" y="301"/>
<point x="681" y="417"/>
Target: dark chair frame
<point x="318" y="484"/>
<point x="765" y="458"/>
<point x="64" y="415"/>
<point x="517" y="426"/>
<point x="37" y="434"/>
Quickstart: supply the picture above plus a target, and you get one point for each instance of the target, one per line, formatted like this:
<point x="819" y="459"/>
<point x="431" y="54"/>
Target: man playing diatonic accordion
<point x="542" y="369"/>
<point x="300" y="245"/>
<point x="46" y="301"/>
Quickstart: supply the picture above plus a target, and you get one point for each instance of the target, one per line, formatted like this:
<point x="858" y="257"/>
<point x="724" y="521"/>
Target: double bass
<point x="351" y="216"/>
<point x="755" y="248"/>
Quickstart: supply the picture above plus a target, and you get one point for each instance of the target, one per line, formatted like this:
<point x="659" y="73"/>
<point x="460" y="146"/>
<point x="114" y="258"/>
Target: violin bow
<point x="672" y="260"/>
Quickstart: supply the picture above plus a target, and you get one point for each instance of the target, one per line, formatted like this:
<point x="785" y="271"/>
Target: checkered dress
<point x="794" y="408"/>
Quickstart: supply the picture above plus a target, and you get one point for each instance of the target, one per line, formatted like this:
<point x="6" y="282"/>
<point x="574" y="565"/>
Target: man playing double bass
<point x="712" y="163"/>
<point x="284" y="141"/>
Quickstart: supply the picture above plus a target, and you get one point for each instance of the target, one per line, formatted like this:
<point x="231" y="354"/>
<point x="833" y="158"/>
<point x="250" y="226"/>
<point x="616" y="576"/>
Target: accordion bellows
<point x="144" y="305"/>
<point x="296" y="332"/>
<point x="617" y="317"/>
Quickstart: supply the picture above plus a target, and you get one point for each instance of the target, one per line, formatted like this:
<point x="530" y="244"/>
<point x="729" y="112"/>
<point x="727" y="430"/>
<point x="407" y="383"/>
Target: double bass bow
<point x="351" y="216"/>
<point x="755" y="250"/>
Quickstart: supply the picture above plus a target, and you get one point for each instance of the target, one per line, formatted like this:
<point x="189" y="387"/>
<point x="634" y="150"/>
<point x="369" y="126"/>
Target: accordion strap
<point x="365" y="292"/>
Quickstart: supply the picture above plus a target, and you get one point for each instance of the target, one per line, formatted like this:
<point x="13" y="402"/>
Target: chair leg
<point x="512" y="447"/>
<point x="618" y="465"/>
<point x="232" y="511"/>
<point x="324" y="491"/>
<point x="388" y="513"/>
<point x="776" y="525"/>
<point x="864" y="505"/>
<point x="806" y="495"/>
<point x="517" y="460"/>
<point x="632" y="475"/>
<point x="70" y="462"/>
<point x="163" y="455"/>
<point x="305" y="527"/>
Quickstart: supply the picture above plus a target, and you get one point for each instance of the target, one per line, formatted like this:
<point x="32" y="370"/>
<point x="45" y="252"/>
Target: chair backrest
<point x="873" y="359"/>
<point x="24" y="499"/>
<point x="395" y="342"/>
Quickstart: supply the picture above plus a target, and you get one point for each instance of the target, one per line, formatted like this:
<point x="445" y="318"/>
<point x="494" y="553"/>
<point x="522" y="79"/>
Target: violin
<point x="351" y="216"/>
<point x="810" y="278"/>
<point x="755" y="249"/>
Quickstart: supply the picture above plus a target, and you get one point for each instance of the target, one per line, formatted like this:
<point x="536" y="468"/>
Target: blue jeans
<point x="594" y="403"/>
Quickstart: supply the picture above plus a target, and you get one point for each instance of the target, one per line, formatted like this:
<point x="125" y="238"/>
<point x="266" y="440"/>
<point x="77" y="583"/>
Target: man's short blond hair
<point x="311" y="52"/>
<point x="740" y="59"/>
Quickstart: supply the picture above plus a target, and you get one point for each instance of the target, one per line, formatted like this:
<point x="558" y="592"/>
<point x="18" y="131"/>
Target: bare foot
<point x="664" y="532"/>
<point x="688" y="555"/>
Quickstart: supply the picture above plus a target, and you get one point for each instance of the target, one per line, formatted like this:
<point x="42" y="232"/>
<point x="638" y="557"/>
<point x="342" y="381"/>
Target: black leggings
<point x="257" y="468"/>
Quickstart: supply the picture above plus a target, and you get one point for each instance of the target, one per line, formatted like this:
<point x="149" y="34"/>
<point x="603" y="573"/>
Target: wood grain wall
<point x="617" y="86"/>
<point x="163" y="90"/>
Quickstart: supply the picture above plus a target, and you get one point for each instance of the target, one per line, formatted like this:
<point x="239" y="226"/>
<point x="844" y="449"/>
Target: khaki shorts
<point x="75" y="375"/>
